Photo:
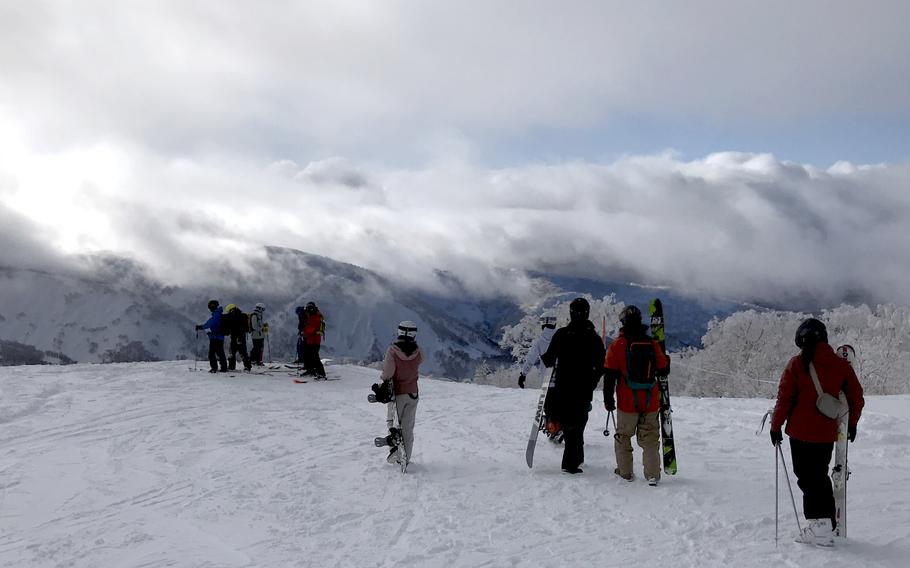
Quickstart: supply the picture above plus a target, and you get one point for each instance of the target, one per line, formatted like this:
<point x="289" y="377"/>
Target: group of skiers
<point x="233" y="323"/>
<point x="632" y="363"/>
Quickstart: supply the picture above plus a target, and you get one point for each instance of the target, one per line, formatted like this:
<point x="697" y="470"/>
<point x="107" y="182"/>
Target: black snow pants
<point x="256" y="353"/>
<point x="810" y="465"/>
<point x="216" y="354"/>
<point x="311" y="361"/>
<point x="238" y="345"/>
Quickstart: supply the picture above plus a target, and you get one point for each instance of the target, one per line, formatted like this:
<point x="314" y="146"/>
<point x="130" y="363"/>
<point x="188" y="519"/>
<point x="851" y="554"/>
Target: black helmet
<point x="630" y="315"/>
<point x="212" y="305"/>
<point x="810" y="332"/>
<point x="579" y="309"/>
<point x="311" y="307"/>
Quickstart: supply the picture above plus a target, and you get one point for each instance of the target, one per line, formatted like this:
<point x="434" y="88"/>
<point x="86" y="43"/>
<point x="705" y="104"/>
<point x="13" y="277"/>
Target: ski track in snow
<point x="151" y="465"/>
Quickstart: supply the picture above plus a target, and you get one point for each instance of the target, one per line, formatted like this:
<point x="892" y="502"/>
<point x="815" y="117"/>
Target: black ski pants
<point x="256" y="353"/>
<point x="216" y="354"/>
<point x="810" y="465"/>
<point x="312" y="364"/>
<point x="238" y="345"/>
<point x="573" y="429"/>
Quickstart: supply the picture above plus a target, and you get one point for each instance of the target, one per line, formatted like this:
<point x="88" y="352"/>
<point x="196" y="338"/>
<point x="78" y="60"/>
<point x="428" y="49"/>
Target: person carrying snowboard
<point x="538" y="348"/>
<point x="400" y="366"/>
<point x="312" y="332"/>
<point x="236" y="325"/>
<point x="216" y="337"/>
<point x="577" y="352"/>
<point x="633" y="364"/>
<point x="300" y="311"/>
<point x="812" y="433"/>
<point x="257" y="334"/>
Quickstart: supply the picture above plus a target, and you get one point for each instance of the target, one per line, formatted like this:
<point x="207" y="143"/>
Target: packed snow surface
<point x="148" y="465"/>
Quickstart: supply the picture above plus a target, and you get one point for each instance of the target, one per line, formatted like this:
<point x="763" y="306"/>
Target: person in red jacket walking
<point x="312" y="331"/>
<point x="633" y="363"/>
<point x="812" y="434"/>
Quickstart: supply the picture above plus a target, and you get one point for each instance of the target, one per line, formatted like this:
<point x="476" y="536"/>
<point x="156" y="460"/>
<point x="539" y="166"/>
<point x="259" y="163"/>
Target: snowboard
<point x="394" y="438"/>
<point x="840" y="472"/>
<point x="656" y="311"/>
<point x="538" y="424"/>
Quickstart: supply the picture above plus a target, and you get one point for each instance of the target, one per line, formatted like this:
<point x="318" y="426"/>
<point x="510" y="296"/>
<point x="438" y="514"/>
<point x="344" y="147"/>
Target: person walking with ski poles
<point x="577" y="352"/>
<point x="631" y="369"/>
<point x="807" y="403"/>
<point x="532" y="359"/>
<point x="216" y="337"/>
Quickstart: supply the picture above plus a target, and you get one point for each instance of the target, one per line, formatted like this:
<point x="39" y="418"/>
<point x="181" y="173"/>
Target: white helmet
<point x="407" y="329"/>
<point x="548" y="321"/>
<point x="260" y="307"/>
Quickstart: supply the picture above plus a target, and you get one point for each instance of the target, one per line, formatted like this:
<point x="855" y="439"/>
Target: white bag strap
<point x="814" y="375"/>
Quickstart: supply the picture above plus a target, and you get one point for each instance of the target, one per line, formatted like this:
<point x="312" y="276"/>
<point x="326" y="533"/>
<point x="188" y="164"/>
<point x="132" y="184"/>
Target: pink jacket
<point x="402" y="368"/>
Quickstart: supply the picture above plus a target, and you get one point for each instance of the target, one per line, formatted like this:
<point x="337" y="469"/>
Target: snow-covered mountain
<point x="148" y="464"/>
<point x="113" y="311"/>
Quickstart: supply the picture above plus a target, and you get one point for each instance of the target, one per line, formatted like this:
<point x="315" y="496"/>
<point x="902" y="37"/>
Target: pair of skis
<point x="840" y="473"/>
<point x="395" y="438"/>
<point x="656" y="311"/>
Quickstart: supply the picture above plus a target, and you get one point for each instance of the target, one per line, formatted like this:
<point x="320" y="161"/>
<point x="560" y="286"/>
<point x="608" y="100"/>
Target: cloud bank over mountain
<point x="411" y="137"/>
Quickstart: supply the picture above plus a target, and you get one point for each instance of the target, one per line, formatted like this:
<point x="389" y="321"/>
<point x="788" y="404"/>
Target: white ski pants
<point x="407" y="413"/>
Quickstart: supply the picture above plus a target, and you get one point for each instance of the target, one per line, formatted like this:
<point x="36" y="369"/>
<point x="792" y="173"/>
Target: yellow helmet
<point x="230" y="308"/>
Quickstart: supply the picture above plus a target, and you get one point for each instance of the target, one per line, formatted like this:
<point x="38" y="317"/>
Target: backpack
<point x="321" y="330"/>
<point x="641" y="367"/>
<point x="244" y="320"/>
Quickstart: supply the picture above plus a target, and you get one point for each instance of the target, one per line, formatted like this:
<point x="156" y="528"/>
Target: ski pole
<point x="776" y="496"/>
<point x="196" y="356"/>
<point x="790" y="487"/>
<point x="607" y="429"/>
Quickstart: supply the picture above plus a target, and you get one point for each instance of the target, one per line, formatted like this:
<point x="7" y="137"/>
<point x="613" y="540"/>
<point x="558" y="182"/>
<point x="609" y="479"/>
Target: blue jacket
<point x="214" y="324"/>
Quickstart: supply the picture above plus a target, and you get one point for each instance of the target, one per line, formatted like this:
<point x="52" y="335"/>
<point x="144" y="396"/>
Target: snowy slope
<point x="152" y="465"/>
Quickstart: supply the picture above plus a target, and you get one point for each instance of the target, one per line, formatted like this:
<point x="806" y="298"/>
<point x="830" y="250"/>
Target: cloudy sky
<point x="754" y="150"/>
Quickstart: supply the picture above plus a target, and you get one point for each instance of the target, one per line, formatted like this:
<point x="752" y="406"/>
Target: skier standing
<point x="400" y="366"/>
<point x="538" y="348"/>
<point x="257" y="334"/>
<point x="577" y="352"/>
<point x="812" y="433"/>
<point x="633" y="363"/>
<point x="235" y="324"/>
<point x="312" y="332"/>
<point x="216" y="337"/>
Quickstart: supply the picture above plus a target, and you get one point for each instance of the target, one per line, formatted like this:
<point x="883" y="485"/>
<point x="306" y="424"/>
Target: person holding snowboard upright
<point x="532" y="359"/>
<point x="577" y="352"/>
<point x="633" y="364"/>
<point x="816" y="373"/>
<point x="257" y="334"/>
<point x="400" y="366"/>
<point x="313" y="330"/>
<point x="216" y="337"/>
<point x="236" y="325"/>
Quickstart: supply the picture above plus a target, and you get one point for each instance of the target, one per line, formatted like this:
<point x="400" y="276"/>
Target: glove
<point x="199" y="328"/>
<point x="610" y="403"/>
<point x="851" y="432"/>
<point x="521" y="380"/>
<point x="265" y="328"/>
<point x="776" y="437"/>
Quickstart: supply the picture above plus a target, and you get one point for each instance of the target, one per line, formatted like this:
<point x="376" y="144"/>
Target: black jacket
<point x="578" y="354"/>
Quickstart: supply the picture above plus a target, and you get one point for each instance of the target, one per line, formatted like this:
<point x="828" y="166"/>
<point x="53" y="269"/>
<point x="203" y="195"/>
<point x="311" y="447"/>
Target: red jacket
<point x="311" y="335"/>
<point x="796" y="396"/>
<point x="615" y="365"/>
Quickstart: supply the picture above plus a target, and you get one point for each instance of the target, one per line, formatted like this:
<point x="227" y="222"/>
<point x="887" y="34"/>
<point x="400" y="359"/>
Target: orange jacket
<point x="796" y="396"/>
<point x="311" y="335"/>
<point x="615" y="366"/>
